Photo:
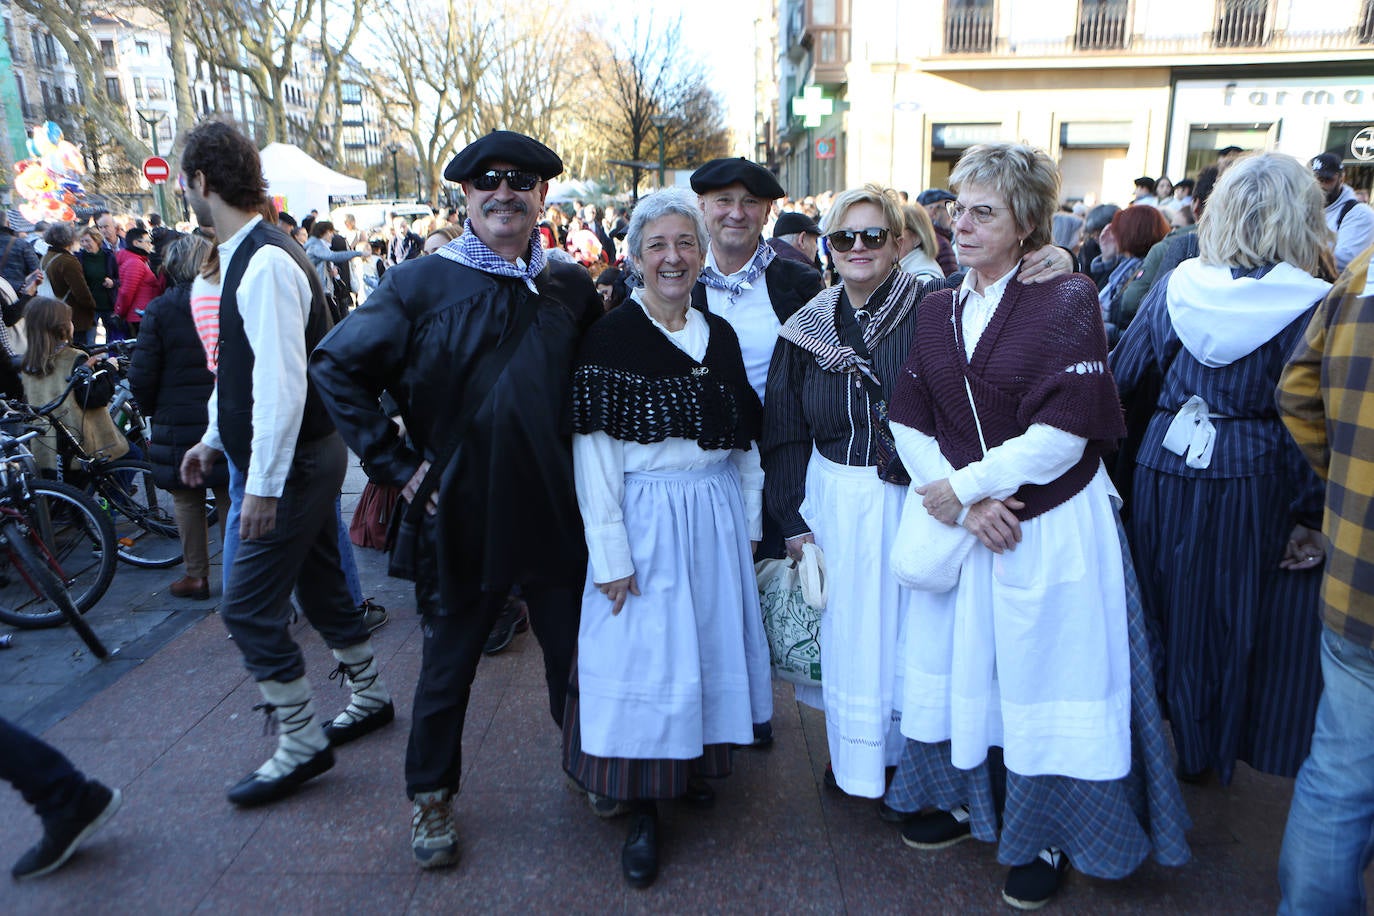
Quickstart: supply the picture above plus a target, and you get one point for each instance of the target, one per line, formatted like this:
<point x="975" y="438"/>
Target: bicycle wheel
<point x="79" y="539"/>
<point x="28" y="562"/>
<point x="145" y="526"/>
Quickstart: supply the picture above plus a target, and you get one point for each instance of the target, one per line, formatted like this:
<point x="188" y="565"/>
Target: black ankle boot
<point x="639" y="858"/>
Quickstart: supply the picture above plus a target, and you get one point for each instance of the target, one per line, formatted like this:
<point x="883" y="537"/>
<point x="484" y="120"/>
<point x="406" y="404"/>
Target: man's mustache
<point x="515" y="204"/>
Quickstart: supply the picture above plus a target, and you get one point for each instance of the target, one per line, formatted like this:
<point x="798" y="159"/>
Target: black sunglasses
<point x="517" y="179"/>
<point x="874" y="237"/>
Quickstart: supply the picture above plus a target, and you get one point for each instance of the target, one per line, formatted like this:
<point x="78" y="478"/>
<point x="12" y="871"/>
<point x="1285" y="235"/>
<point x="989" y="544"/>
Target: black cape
<point x="507" y="507"/>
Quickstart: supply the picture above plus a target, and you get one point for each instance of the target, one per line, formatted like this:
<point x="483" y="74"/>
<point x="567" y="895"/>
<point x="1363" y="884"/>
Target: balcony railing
<point x="829" y="53"/>
<point x="968" y="30"/>
<point x="1358" y="37"/>
<point x="1241" y="24"/>
<point x="1102" y="25"/>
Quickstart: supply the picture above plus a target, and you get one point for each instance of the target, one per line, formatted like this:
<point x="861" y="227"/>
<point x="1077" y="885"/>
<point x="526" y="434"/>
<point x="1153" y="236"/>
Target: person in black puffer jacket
<point x="172" y="385"/>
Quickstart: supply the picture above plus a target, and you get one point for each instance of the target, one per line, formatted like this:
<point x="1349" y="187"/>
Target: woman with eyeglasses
<point x="1028" y="691"/>
<point x="824" y="448"/>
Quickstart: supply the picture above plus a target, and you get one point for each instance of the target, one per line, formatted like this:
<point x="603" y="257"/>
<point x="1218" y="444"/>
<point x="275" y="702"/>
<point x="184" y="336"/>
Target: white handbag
<point x="927" y="554"/>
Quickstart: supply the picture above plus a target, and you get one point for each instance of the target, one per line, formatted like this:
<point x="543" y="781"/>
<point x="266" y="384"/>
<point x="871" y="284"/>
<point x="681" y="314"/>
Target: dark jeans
<point x="453" y="647"/>
<point x="301" y="555"/>
<point x="40" y="772"/>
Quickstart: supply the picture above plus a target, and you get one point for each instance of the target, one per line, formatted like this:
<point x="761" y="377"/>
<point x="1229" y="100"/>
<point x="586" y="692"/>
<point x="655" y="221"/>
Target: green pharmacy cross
<point x="812" y="105"/>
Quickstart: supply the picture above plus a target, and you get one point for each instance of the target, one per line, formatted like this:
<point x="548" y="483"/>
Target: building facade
<point x="1113" y="89"/>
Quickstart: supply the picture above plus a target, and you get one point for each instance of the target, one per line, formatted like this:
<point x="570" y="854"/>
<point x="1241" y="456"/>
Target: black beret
<point x="933" y="196"/>
<point x="504" y="146"/>
<point x="721" y="173"/>
<point x="792" y="223"/>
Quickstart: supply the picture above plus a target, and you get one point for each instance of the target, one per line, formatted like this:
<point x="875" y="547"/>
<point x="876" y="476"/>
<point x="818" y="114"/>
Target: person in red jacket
<point x="138" y="285"/>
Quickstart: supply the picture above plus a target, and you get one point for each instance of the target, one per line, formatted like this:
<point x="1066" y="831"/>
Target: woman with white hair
<point x="1226" y="514"/>
<point x="671" y="658"/>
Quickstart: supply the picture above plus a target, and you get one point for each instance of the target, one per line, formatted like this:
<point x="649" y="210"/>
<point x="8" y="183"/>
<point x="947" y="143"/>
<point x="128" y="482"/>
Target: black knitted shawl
<point x="634" y="384"/>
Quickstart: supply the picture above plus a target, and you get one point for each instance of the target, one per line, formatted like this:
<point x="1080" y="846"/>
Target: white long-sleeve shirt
<point x="601" y="462"/>
<point x="274" y="302"/>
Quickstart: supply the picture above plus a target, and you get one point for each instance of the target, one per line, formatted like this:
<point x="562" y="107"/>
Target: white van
<point x="372" y="215"/>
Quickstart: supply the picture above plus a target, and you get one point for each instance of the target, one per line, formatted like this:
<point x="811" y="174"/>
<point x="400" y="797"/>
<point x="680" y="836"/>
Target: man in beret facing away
<point x="797" y="238"/>
<point x="476" y="346"/>
<point x="749" y="285"/>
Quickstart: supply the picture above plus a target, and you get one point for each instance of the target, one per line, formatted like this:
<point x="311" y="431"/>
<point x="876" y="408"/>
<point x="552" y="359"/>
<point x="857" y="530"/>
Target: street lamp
<point x="153" y="117"/>
<point x="660" y="121"/>
<point x="393" y="149"/>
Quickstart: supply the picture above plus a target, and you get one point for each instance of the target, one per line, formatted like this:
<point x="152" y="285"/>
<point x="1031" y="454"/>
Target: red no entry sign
<point x="156" y="169"/>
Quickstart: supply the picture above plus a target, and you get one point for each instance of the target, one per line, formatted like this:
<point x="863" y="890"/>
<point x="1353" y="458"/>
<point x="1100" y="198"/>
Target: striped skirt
<point x="1106" y="827"/>
<point x="1237" y="640"/>
<point x="626" y="779"/>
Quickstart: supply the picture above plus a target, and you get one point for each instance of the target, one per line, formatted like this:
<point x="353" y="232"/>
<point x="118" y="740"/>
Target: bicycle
<point x="44" y="599"/>
<point x="145" y="525"/>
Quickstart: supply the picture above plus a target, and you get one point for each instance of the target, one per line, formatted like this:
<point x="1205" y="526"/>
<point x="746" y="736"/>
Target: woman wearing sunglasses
<point x="825" y="446"/>
<point x="1028" y="692"/>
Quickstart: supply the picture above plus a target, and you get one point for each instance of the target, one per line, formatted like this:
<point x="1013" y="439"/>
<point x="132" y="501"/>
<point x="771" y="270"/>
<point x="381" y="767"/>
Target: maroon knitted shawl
<point x="1042" y="359"/>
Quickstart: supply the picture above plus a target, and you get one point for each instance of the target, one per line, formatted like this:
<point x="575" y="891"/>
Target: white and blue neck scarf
<point x="734" y="285"/>
<point x="471" y="251"/>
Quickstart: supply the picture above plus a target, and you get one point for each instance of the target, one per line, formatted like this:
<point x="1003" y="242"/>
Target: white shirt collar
<point x="993" y="291"/>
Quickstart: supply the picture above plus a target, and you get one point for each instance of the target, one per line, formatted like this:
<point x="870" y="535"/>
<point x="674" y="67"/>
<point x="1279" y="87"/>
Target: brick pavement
<point x="176" y="729"/>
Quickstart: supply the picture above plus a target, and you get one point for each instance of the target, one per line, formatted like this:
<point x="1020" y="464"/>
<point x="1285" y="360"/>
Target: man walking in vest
<point x="279" y="439"/>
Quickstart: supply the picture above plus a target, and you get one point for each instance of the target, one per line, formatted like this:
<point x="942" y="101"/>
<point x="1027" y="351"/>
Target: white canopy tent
<point x="302" y="183"/>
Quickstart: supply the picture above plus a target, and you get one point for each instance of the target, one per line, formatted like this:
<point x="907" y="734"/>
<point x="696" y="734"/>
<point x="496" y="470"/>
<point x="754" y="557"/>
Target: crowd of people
<point x="1064" y="515"/>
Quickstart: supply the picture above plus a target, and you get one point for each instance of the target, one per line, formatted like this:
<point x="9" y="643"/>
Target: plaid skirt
<point x="1107" y="827"/>
<point x="626" y="779"/>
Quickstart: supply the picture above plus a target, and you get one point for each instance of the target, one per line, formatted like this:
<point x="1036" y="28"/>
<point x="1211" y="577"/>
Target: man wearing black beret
<point x="748" y="285"/>
<point x="797" y="238"/>
<point x="476" y="346"/>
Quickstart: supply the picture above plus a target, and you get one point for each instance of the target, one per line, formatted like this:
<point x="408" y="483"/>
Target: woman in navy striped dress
<point x="1226" y="515"/>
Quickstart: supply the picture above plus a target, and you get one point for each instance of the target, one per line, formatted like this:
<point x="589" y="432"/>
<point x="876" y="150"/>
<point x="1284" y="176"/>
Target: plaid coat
<point x="1326" y="399"/>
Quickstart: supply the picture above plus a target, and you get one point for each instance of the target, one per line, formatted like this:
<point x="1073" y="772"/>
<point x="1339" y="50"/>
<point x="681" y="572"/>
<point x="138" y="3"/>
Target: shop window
<point x="1205" y="139"/>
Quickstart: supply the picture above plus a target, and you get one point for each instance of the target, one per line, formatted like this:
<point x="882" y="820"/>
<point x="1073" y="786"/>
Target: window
<point x="1364" y="28"/>
<point x="1101" y="25"/>
<point x="142" y="48"/>
<point x="37" y="40"/>
<point x="138" y="88"/>
<point x="156" y="87"/>
<point x="107" y="52"/>
<point x="112" y="89"/>
<point x="164" y="129"/>
<point x="968" y="26"/>
<point x="143" y="130"/>
<point x="1241" y="23"/>
<point x="51" y="45"/>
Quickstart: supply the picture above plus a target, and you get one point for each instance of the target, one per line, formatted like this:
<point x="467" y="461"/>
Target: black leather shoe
<point x="639" y="858"/>
<point x="253" y="790"/>
<point x="699" y="793"/>
<point x="356" y="728"/>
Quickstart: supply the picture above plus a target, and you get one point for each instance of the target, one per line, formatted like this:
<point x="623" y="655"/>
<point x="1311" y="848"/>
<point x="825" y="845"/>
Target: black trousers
<point x="453" y="644"/>
<point x="301" y="555"/>
<point x="40" y="772"/>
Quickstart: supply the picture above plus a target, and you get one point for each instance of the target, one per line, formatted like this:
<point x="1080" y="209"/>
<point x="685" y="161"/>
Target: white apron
<point x="679" y="667"/>
<point x="854" y="518"/>
<point x="1029" y="651"/>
